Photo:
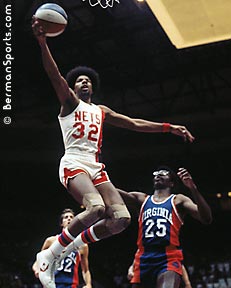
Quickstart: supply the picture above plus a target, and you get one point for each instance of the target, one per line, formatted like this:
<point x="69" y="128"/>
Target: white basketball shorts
<point x="72" y="164"/>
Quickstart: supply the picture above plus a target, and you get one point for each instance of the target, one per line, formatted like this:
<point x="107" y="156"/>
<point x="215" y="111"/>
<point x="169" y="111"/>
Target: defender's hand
<point x="186" y="178"/>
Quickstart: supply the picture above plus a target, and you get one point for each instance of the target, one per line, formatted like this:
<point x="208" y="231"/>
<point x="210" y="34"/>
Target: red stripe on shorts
<point x="101" y="179"/>
<point x="71" y="173"/>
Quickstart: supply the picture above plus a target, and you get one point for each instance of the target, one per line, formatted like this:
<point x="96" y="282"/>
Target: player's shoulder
<point x="104" y="108"/>
<point x="51" y="238"/>
<point x="179" y="198"/>
<point x="83" y="249"/>
<point x="140" y="196"/>
<point x="48" y="241"/>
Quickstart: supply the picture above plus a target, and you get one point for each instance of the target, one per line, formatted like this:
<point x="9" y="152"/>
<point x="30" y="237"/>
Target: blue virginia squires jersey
<point x="159" y="224"/>
<point x="158" y="240"/>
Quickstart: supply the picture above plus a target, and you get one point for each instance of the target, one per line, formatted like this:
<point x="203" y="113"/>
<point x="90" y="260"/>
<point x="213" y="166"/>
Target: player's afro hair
<point x="73" y="74"/>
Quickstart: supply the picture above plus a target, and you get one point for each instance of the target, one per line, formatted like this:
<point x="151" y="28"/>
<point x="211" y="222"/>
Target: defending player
<point x="80" y="170"/>
<point x="158" y="259"/>
<point x="67" y="274"/>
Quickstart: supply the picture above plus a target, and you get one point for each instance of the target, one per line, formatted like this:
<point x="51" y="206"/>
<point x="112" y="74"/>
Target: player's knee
<point x="120" y="224"/>
<point x="120" y="219"/>
<point x="95" y="209"/>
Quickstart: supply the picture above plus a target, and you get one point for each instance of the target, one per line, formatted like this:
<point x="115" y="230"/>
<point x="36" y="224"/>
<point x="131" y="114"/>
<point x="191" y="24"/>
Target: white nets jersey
<point x="82" y="129"/>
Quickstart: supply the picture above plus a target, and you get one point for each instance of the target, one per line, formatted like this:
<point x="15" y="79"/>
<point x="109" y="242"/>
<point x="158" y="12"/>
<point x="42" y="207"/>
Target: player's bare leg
<point x="85" y="194"/>
<point x="115" y="220"/>
<point x="168" y="279"/>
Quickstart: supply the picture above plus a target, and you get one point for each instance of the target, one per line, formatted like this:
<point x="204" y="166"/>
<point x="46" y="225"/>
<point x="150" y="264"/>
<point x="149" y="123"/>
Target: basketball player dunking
<point x="80" y="170"/>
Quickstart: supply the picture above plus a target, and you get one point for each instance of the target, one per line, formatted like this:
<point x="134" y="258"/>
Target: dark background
<point x="142" y="75"/>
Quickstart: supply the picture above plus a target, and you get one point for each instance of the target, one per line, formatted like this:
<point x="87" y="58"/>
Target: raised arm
<point x="66" y="96"/>
<point x="84" y="251"/>
<point x="133" y="200"/>
<point x="140" y="125"/>
<point x="199" y="209"/>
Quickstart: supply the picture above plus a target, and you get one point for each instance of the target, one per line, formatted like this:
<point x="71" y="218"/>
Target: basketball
<point x="52" y="18"/>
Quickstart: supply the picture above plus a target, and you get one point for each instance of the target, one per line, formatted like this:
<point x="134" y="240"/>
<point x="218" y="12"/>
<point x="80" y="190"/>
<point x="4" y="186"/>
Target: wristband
<point x="166" y="127"/>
